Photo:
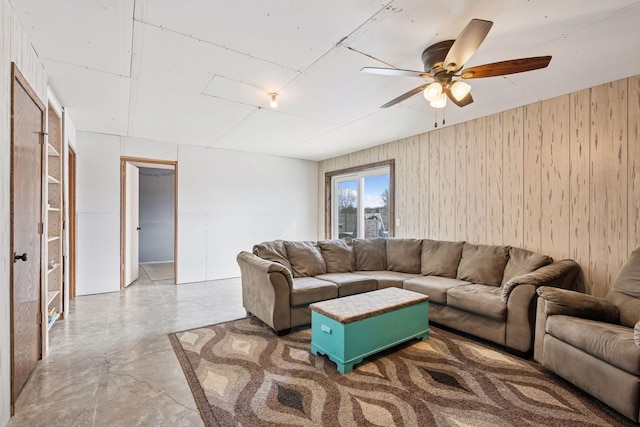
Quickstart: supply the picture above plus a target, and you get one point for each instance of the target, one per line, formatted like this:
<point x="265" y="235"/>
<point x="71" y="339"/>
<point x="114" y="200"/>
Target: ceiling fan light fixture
<point x="444" y="61"/>
<point x="433" y="91"/>
<point x="440" y="101"/>
<point x="459" y="90"/>
<point x="274" y="101"/>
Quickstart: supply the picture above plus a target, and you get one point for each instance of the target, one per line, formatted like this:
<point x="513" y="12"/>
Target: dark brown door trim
<point x="73" y="223"/>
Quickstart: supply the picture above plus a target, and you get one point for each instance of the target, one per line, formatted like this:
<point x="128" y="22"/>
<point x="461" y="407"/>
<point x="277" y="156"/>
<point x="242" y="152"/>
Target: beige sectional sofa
<point x="486" y="291"/>
<point x="595" y="342"/>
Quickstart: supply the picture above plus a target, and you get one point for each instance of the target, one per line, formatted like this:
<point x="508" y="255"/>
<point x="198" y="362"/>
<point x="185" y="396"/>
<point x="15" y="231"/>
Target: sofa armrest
<point x="636" y="334"/>
<point x="559" y="274"/>
<point x="263" y="266"/>
<point x="571" y="303"/>
<point x="266" y="290"/>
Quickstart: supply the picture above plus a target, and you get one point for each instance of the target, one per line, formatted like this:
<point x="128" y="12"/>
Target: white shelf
<point x="54" y="204"/>
<point x="51" y="295"/>
<point x="52" y="321"/>
<point x="51" y="151"/>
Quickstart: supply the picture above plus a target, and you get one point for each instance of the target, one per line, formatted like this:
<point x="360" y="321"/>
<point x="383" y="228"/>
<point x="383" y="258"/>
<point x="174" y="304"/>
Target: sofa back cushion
<point x="522" y="261"/>
<point x="625" y="292"/>
<point x="441" y="258"/>
<point x="483" y="264"/>
<point x="370" y="254"/>
<point x="305" y="258"/>
<point x="273" y="251"/>
<point x="338" y="256"/>
<point x="403" y="255"/>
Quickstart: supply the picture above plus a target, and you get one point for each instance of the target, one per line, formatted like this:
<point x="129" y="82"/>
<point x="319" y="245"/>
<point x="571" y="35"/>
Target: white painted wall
<point x="14" y="46"/>
<point x="227" y="201"/>
<point x="98" y="203"/>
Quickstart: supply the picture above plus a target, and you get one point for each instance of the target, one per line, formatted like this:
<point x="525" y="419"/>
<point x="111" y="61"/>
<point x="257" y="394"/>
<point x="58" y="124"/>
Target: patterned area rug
<point x="241" y="374"/>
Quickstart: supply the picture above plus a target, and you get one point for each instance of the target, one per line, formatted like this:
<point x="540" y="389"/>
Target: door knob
<point x="17" y="257"/>
<point x="138" y="228"/>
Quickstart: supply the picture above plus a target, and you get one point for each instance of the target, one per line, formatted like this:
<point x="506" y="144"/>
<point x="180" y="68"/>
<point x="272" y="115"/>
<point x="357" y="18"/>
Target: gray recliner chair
<point x="594" y="343"/>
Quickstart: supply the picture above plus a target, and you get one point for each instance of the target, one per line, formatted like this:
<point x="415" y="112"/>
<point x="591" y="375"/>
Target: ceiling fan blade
<point x="502" y="68"/>
<point x="468" y="99"/>
<point x="466" y="44"/>
<point x="404" y="96"/>
<point x="395" y="72"/>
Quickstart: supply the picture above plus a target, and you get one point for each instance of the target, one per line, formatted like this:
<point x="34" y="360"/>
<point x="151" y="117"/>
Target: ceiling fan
<point x="443" y="62"/>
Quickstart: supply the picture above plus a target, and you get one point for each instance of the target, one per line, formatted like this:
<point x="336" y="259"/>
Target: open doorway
<point x="148" y="221"/>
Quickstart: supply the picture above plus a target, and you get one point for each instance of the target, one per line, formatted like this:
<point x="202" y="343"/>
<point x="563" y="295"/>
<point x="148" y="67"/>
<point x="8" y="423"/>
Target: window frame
<point x="362" y="169"/>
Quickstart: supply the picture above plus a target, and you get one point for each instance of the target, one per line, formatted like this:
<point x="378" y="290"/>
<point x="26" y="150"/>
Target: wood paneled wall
<point x="560" y="177"/>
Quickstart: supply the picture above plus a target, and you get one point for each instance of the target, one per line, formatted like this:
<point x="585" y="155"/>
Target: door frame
<point x="123" y="182"/>
<point x="18" y="78"/>
<point x="73" y="222"/>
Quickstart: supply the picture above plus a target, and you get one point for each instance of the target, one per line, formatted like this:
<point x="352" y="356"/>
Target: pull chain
<point x="444" y="121"/>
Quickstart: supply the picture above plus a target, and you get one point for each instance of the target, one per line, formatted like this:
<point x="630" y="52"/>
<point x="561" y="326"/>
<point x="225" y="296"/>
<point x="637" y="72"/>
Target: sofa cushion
<point x="350" y="283"/>
<point x="483" y="264"/>
<point x="629" y="307"/>
<point x="403" y="255"/>
<point x="636" y="334"/>
<point x="435" y="287"/>
<point x="273" y="251"/>
<point x="371" y="254"/>
<point x="306" y="290"/>
<point x="625" y="292"/>
<point x="305" y="258"/>
<point x="387" y="279"/>
<point x="338" y="256"/>
<point x="611" y="343"/>
<point x="441" y="258"/>
<point x="522" y="261"/>
<point x="484" y="300"/>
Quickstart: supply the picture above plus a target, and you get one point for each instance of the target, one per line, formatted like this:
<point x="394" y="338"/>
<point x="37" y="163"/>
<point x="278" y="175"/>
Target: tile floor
<point x="111" y="364"/>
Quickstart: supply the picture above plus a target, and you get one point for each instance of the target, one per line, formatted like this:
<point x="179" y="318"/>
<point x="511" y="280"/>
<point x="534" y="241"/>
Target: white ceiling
<point x="199" y="71"/>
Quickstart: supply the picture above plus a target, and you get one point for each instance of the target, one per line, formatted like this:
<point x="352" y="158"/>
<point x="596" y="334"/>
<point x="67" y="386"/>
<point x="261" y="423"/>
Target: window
<point x="360" y="202"/>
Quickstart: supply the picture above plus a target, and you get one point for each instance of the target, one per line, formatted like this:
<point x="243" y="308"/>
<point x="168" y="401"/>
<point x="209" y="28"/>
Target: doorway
<point x="26" y="213"/>
<point x="148" y="221"/>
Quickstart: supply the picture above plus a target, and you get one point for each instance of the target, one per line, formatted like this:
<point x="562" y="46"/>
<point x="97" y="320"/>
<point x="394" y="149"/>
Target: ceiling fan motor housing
<point x="434" y="55"/>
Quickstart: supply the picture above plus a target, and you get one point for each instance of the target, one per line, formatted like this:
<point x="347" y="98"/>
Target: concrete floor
<point x="111" y="364"/>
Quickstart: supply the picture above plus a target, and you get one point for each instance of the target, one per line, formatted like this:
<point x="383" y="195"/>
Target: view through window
<point x="361" y="204"/>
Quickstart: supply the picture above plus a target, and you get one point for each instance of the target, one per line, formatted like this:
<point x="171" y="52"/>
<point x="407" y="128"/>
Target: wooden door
<point x="27" y="127"/>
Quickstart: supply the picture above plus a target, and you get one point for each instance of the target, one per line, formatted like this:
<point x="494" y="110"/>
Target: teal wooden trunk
<point x="347" y="344"/>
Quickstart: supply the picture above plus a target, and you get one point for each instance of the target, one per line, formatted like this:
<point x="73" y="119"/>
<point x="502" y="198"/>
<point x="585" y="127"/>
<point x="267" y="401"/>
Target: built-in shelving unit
<point x="53" y="223"/>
